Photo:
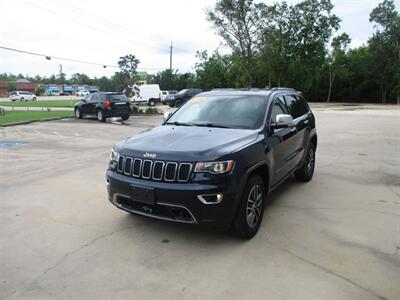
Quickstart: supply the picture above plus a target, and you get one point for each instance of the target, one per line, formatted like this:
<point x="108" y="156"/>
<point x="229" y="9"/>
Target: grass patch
<point x="22" y="115"/>
<point x="45" y="103"/>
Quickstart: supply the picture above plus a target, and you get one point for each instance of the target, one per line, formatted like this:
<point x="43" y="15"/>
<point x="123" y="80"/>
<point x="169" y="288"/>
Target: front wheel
<point x="251" y="209"/>
<point x="78" y="114"/>
<point x="178" y="103"/>
<point x="306" y="171"/>
<point x="22" y="99"/>
<point x="100" y="115"/>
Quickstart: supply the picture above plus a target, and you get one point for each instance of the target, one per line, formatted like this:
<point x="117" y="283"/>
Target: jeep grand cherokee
<point x="216" y="158"/>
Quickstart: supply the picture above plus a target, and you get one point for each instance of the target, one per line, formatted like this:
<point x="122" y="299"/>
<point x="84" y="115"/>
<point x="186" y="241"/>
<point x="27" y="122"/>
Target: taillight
<point x="107" y="104"/>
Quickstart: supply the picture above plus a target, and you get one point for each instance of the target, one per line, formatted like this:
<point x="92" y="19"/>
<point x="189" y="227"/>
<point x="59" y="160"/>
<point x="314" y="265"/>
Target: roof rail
<point x="282" y="89"/>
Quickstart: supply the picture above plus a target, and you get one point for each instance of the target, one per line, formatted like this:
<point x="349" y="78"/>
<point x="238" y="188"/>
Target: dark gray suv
<point x="177" y="100"/>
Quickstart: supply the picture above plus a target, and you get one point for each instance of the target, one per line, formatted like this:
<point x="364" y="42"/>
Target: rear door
<point x="281" y="142"/>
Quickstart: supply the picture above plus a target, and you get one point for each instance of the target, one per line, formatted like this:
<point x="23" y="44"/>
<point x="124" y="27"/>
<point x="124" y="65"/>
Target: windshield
<point x="182" y="92"/>
<point x="244" y="112"/>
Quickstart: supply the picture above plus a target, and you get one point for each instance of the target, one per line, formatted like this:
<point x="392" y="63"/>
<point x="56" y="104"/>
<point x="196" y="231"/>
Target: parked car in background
<point x="104" y="105"/>
<point x="67" y="90"/>
<point x="82" y="92"/>
<point x="215" y="160"/>
<point x="147" y="93"/>
<point x="22" y="96"/>
<point x="178" y="99"/>
<point x="52" y="91"/>
<point x="164" y="95"/>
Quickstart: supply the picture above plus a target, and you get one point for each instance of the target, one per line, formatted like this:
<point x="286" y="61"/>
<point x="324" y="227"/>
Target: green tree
<point x="127" y="76"/>
<point x="385" y="48"/>
<point x="337" y="59"/>
<point x="237" y="22"/>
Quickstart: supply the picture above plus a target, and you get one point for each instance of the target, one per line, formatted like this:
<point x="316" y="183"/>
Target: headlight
<point x="114" y="155"/>
<point x="171" y="98"/>
<point x="216" y="167"/>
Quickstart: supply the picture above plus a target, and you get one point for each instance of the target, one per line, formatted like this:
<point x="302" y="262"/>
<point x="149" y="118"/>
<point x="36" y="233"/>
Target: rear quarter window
<point x="118" y="98"/>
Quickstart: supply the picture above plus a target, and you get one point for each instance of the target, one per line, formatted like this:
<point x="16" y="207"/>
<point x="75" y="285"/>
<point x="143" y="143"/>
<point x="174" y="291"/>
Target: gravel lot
<point x="336" y="237"/>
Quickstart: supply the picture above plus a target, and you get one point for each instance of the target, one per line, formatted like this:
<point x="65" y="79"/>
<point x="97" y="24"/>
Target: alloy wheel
<point x="254" y="206"/>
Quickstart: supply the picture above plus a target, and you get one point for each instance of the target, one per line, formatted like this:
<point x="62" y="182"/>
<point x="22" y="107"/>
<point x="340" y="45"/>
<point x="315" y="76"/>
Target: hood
<point x="182" y="143"/>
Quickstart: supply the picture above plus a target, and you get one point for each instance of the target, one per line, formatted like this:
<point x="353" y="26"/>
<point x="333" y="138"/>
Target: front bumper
<point x="177" y="202"/>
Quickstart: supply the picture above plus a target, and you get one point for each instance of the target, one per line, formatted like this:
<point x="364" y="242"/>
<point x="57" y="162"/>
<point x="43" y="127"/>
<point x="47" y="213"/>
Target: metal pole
<point x="170" y="57"/>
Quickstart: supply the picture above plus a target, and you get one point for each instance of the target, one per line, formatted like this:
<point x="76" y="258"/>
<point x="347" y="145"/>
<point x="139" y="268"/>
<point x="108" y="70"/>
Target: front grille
<point x="154" y="170"/>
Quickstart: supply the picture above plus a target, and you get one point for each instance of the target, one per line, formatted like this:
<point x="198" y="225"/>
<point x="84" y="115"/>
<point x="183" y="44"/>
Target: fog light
<point x="211" y="198"/>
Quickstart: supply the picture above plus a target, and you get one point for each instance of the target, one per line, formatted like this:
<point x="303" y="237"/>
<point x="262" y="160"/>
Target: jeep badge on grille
<point x="149" y="155"/>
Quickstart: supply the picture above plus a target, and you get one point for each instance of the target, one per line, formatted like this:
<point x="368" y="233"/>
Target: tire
<point x="178" y="103"/>
<point x="100" y="115"/>
<point x="22" y="99"/>
<point x="151" y="102"/>
<point x="78" y="113"/>
<point x="251" y="209"/>
<point x="34" y="99"/>
<point x="124" y="118"/>
<point x="306" y="171"/>
<point x="171" y="104"/>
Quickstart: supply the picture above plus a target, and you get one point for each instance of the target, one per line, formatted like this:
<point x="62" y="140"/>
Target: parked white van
<point x="22" y="96"/>
<point x="147" y="93"/>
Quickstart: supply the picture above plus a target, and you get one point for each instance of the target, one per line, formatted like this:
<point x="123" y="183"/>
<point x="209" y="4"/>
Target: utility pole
<point x="61" y="75"/>
<point x="170" y="57"/>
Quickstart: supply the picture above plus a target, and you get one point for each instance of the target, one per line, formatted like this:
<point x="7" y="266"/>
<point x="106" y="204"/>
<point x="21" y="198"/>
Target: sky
<point x="101" y="31"/>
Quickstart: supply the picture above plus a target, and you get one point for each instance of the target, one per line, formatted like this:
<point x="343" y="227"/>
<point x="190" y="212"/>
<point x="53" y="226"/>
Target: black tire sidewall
<point x="240" y="225"/>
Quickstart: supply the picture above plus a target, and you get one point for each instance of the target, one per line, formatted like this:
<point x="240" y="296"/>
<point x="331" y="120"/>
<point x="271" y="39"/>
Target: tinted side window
<point x="95" y="98"/>
<point x="102" y="97"/>
<point x="278" y="108"/>
<point x="296" y="106"/>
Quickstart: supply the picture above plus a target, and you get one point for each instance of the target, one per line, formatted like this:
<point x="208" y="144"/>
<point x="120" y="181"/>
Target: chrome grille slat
<point x="158" y="178"/>
<point x="128" y="165"/>
<point x="145" y="166"/>
<point x="139" y="173"/>
<point x="188" y="172"/>
<point x="166" y="170"/>
<point x="157" y="170"/>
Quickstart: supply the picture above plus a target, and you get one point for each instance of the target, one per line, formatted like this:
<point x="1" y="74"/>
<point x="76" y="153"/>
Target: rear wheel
<point x="306" y="171"/>
<point x="100" y="115"/>
<point x="152" y="102"/>
<point x="78" y="114"/>
<point x="34" y="99"/>
<point x="22" y="99"/>
<point x="124" y="118"/>
<point x="251" y="209"/>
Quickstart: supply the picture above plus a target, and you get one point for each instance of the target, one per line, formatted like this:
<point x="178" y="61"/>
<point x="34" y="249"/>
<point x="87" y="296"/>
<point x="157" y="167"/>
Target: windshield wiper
<point x="179" y="124"/>
<point x="210" y="125"/>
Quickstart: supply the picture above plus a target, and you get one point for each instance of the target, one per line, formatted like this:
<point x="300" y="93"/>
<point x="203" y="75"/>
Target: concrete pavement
<point x="336" y="237"/>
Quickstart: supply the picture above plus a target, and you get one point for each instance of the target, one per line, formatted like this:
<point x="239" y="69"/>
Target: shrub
<point x="136" y="110"/>
<point x="151" y="111"/>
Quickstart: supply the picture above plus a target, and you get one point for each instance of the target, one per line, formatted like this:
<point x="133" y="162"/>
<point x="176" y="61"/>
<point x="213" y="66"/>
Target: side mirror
<point x="283" y="121"/>
<point x="167" y="115"/>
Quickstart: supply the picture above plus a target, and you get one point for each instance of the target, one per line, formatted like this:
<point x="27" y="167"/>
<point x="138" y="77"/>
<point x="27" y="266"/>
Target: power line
<point x="49" y="57"/>
<point x="52" y="12"/>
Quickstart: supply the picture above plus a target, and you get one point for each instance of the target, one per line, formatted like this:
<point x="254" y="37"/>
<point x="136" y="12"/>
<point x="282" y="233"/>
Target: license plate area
<point x="142" y="194"/>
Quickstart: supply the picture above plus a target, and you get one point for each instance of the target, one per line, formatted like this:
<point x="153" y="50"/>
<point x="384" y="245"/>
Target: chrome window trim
<point x="176" y="169"/>
<point x="151" y="169"/>
<point x="123" y="164"/>
<point x="126" y="159"/>
<point x="162" y="170"/>
<point x="179" y="171"/>
<point x="140" y="167"/>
